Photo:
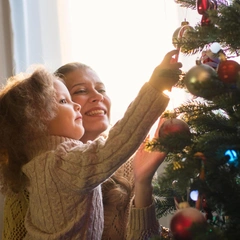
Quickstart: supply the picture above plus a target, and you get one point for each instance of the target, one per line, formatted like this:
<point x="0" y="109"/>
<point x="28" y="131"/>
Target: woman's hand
<point x="145" y="164"/>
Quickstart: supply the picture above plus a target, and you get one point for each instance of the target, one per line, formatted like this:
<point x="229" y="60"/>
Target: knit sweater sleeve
<point x="99" y="161"/>
<point x="142" y="223"/>
<point x="126" y="171"/>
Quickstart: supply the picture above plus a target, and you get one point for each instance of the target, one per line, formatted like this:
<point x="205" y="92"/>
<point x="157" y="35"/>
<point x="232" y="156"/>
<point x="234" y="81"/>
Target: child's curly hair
<point x="27" y="103"/>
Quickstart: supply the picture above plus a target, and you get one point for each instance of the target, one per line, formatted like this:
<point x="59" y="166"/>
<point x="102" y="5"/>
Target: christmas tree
<point x="203" y="163"/>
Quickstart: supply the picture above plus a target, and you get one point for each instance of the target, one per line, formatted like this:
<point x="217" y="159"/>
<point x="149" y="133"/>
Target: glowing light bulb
<point x="233" y="157"/>
<point x="194" y="195"/>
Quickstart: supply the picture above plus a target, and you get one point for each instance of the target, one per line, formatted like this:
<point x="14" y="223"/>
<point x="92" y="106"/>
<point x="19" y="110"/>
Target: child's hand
<point x="167" y="73"/>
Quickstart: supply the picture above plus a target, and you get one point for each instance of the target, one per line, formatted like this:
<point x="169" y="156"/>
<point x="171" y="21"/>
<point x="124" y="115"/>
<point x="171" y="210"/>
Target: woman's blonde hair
<point x="27" y="103"/>
<point x="70" y="67"/>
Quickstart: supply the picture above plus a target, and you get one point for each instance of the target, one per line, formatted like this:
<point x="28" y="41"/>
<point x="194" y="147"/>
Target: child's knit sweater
<point x="139" y="223"/>
<point x="66" y="175"/>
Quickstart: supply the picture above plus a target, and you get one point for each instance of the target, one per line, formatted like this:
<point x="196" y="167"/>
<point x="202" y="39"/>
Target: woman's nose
<point x="96" y="96"/>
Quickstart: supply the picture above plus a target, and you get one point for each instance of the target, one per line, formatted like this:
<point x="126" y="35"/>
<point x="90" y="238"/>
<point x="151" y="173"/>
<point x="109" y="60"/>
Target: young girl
<point x="40" y="128"/>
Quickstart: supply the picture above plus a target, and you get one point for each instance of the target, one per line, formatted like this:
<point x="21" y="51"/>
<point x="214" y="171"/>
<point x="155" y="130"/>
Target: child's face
<point x="68" y="121"/>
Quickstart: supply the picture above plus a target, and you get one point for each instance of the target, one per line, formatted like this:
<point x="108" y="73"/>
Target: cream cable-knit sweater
<point x="142" y="221"/>
<point x="65" y="174"/>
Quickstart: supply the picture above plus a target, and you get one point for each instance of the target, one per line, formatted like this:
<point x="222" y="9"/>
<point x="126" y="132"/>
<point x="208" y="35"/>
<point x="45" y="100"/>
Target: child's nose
<point x="77" y="106"/>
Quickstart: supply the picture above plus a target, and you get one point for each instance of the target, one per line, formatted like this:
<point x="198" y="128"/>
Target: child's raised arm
<point x="128" y="133"/>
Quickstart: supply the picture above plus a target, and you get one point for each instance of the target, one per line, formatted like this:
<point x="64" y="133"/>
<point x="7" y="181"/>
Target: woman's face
<point x="87" y="90"/>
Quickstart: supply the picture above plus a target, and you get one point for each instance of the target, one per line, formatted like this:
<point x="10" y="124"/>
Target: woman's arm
<point x="143" y="223"/>
<point x="145" y="165"/>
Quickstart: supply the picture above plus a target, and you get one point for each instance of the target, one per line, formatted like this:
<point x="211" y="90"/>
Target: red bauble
<point x="172" y="127"/>
<point x="205" y="21"/>
<point x="182" y="220"/>
<point x="228" y="71"/>
<point x="202" y="6"/>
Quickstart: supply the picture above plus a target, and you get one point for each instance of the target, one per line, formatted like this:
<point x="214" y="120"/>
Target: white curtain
<point x="35" y="33"/>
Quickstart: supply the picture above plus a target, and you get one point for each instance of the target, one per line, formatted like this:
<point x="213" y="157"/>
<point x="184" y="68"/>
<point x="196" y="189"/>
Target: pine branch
<point x="187" y="3"/>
